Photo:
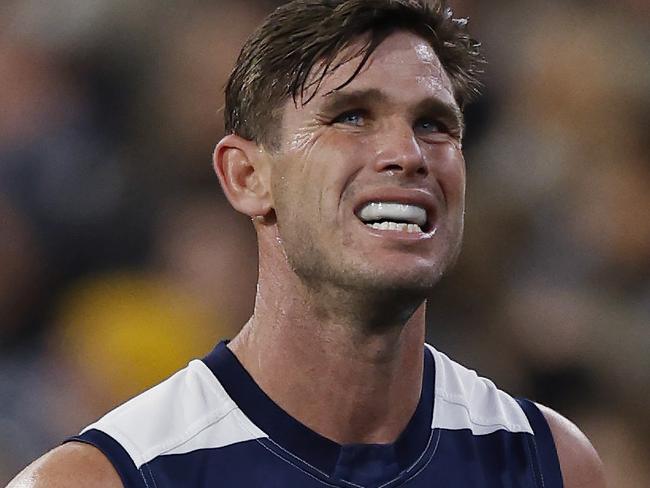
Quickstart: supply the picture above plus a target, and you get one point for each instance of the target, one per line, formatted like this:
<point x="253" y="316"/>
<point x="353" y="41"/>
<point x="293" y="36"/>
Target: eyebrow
<point x="341" y="100"/>
<point x="336" y="101"/>
<point x="450" y="112"/>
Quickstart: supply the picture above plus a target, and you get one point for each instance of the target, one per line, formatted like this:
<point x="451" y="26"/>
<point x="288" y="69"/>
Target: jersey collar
<point x="314" y="449"/>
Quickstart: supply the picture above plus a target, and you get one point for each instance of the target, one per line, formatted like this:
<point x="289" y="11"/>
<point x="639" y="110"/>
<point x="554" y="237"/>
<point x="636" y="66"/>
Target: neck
<point x="346" y="372"/>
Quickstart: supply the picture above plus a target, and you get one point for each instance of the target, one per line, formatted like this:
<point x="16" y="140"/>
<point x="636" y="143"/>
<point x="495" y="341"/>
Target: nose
<point x="399" y="151"/>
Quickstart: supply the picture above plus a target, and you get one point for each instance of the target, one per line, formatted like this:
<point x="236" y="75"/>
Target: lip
<point x="409" y="196"/>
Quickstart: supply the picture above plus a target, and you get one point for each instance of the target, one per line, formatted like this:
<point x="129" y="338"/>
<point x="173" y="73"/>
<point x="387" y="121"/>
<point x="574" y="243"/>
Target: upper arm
<point x="579" y="462"/>
<point x="72" y="465"/>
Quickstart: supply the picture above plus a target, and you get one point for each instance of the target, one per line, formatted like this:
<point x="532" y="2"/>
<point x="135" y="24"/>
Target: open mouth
<point x="394" y="216"/>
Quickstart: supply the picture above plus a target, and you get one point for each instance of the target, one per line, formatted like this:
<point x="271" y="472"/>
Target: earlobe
<point x="243" y="173"/>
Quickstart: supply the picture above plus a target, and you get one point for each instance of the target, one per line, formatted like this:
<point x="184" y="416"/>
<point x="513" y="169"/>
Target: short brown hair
<point x="278" y="60"/>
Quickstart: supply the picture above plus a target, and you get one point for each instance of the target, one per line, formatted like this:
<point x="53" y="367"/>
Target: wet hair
<point x="300" y="43"/>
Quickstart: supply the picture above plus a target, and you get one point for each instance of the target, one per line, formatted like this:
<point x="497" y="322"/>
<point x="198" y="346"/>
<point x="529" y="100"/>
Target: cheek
<point x="449" y="168"/>
<point x="334" y="162"/>
<point x="308" y="182"/>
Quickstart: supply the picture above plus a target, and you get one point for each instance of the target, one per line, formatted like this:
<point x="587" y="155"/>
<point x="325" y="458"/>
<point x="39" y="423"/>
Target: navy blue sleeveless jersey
<point x="210" y="425"/>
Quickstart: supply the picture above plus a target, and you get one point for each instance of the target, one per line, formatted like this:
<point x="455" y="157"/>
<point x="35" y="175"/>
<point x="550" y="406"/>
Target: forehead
<point x="405" y="67"/>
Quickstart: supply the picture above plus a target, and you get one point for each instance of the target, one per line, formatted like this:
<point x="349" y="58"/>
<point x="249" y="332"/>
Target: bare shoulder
<point x="71" y="465"/>
<point x="580" y="464"/>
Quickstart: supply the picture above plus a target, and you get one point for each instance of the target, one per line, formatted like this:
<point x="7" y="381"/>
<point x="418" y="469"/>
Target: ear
<point x="243" y="171"/>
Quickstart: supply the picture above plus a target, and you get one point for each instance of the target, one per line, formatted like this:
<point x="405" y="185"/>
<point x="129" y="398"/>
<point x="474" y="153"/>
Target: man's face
<point x="368" y="183"/>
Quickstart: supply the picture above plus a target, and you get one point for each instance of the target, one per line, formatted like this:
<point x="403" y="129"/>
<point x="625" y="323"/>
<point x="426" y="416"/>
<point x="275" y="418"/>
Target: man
<point x="344" y="146"/>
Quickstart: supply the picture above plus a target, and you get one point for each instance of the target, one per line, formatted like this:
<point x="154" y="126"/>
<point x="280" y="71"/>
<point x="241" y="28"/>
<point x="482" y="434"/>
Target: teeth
<point x="397" y="226"/>
<point x="393" y="211"/>
<point x="412" y="228"/>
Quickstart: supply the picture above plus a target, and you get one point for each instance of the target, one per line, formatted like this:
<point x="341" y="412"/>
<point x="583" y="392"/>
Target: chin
<point x="384" y="272"/>
<point x="417" y="282"/>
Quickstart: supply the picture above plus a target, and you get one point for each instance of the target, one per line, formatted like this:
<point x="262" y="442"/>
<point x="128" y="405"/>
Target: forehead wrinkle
<point x="415" y="63"/>
<point x="406" y="51"/>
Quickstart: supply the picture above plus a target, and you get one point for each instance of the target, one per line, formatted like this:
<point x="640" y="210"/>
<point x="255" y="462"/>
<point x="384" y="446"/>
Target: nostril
<point x="398" y="168"/>
<point x="393" y="167"/>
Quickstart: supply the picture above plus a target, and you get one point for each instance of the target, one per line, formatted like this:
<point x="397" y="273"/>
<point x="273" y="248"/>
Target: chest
<point x="452" y="459"/>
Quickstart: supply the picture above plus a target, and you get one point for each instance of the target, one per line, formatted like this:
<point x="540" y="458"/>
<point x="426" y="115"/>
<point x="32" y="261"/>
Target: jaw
<point x="333" y="257"/>
<point x="412" y="261"/>
<point x="351" y="291"/>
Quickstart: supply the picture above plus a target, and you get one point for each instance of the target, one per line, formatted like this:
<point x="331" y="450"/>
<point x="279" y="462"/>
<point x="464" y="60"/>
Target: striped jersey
<point x="210" y="425"/>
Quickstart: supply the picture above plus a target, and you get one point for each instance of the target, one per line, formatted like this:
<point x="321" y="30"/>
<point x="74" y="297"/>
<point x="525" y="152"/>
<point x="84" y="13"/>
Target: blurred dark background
<point x="120" y="259"/>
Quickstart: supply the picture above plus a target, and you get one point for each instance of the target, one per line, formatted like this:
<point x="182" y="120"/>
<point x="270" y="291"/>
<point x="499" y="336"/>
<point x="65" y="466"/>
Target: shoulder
<point x="187" y="413"/>
<point x="163" y="417"/>
<point x="465" y="400"/>
<point x="580" y="464"/>
<point x="71" y="465"/>
<point x="166" y="416"/>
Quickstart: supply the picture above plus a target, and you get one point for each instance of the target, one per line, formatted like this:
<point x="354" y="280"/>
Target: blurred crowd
<point x="120" y="259"/>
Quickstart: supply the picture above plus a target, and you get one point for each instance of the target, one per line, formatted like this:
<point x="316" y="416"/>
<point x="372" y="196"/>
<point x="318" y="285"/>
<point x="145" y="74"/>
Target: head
<point x="344" y="116"/>
<point x="300" y="44"/>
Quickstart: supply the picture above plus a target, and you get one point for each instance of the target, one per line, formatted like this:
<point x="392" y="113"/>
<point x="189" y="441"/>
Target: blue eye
<point x="351" y="117"/>
<point x="430" y="125"/>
